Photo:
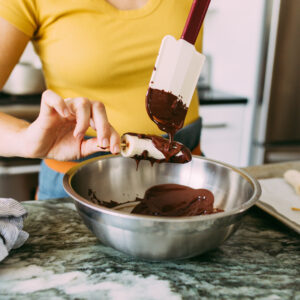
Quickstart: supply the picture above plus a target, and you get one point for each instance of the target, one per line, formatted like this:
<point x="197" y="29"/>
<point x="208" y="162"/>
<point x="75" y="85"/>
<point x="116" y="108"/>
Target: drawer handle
<point x="215" y="125"/>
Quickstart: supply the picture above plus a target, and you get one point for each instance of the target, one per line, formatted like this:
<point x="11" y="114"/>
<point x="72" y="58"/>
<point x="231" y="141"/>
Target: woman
<point x="91" y="49"/>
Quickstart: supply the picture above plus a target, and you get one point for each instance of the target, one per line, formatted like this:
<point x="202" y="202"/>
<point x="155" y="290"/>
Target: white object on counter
<point x="293" y="178"/>
<point x="281" y="197"/>
<point x="25" y="79"/>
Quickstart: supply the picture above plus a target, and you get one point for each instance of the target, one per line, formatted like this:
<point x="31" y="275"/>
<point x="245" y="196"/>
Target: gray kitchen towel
<point x="12" y="236"/>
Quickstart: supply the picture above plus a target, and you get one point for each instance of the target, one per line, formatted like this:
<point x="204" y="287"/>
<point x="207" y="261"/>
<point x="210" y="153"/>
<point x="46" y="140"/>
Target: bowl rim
<point x="75" y="196"/>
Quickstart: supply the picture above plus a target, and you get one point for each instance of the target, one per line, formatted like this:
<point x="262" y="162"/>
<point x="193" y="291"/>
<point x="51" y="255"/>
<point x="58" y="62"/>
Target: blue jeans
<point x="51" y="182"/>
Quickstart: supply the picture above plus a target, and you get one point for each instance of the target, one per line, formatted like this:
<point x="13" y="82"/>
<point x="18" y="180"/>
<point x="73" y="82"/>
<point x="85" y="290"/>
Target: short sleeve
<point x="20" y="13"/>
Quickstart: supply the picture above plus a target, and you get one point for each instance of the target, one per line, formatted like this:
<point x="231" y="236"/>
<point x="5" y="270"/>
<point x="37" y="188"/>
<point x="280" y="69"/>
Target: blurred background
<point x="253" y="49"/>
<point x="248" y="91"/>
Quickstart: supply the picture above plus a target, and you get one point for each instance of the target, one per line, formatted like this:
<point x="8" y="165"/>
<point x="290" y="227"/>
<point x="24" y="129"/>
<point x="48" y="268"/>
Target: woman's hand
<point x="59" y="130"/>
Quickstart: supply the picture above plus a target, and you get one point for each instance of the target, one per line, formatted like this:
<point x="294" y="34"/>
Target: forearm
<point x="12" y="136"/>
<point x="12" y="44"/>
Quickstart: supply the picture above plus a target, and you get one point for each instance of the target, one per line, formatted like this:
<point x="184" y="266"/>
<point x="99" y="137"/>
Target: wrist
<point x="11" y="133"/>
<point x="24" y="145"/>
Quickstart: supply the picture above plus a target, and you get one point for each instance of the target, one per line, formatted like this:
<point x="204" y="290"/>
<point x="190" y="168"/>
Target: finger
<point x="52" y="102"/>
<point x="101" y="123"/>
<point x="81" y="107"/>
<point x="115" y="141"/>
<point x="89" y="147"/>
<point x="92" y="124"/>
<point x="101" y="149"/>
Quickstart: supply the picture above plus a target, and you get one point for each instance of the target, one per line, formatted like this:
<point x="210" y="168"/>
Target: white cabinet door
<point x="222" y="131"/>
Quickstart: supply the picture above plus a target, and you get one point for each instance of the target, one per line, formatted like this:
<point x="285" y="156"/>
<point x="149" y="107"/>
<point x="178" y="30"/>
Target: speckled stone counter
<point x="63" y="260"/>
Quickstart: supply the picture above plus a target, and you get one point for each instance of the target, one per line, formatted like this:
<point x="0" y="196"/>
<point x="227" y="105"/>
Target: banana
<point x="136" y="146"/>
<point x="133" y="145"/>
<point x="293" y="178"/>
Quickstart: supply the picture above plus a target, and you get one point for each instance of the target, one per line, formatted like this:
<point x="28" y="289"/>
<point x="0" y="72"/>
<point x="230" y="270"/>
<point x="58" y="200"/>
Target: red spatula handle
<point x="195" y="20"/>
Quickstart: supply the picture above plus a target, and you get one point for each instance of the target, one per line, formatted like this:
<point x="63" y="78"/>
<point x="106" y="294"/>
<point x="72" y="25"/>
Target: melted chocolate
<point x="169" y="149"/>
<point x="175" y="200"/>
<point x="172" y="200"/>
<point x="166" y="110"/>
<point x="94" y="199"/>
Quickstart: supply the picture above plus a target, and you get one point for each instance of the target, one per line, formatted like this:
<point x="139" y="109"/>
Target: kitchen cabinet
<point x="225" y="117"/>
<point x="25" y="107"/>
<point x="222" y="133"/>
<point x="18" y="177"/>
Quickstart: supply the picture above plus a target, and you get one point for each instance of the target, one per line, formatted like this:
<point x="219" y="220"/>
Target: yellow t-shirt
<point x="89" y="48"/>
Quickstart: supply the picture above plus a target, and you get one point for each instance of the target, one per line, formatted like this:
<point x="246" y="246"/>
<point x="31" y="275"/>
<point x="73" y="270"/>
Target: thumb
<point x="89" y="147"/>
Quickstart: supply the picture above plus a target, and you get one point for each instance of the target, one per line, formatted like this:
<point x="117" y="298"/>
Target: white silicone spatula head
<point x="176" y="72"/>
<point x="177" y="68"/>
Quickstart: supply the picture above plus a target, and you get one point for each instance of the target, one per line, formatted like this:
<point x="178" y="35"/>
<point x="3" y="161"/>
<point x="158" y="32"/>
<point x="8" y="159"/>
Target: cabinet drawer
<point x="222" y="132"/>
<point x="222" y="122"/>
<point x="228" y="152"/>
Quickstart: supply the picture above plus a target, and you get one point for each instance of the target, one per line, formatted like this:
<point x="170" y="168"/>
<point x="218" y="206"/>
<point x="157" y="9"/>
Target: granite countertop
<point x="63" y="260"/>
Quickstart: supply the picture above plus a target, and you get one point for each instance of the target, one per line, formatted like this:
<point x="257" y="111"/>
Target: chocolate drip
<point x="169" y="149"/>
<point x="94" y="199"/>
<point x="166" y="110"/>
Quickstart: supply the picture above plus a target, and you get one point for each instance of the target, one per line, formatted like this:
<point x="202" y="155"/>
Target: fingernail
<point x="66" y="112"/>
<point x="104" y="143"/>
<point x="116" y="149"/>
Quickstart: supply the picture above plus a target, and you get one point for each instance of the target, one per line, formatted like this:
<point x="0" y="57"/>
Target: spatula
<point x="177" y="69"/>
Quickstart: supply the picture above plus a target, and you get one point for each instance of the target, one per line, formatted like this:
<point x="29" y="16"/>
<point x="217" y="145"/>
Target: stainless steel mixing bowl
<point x="159" y="238"/>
